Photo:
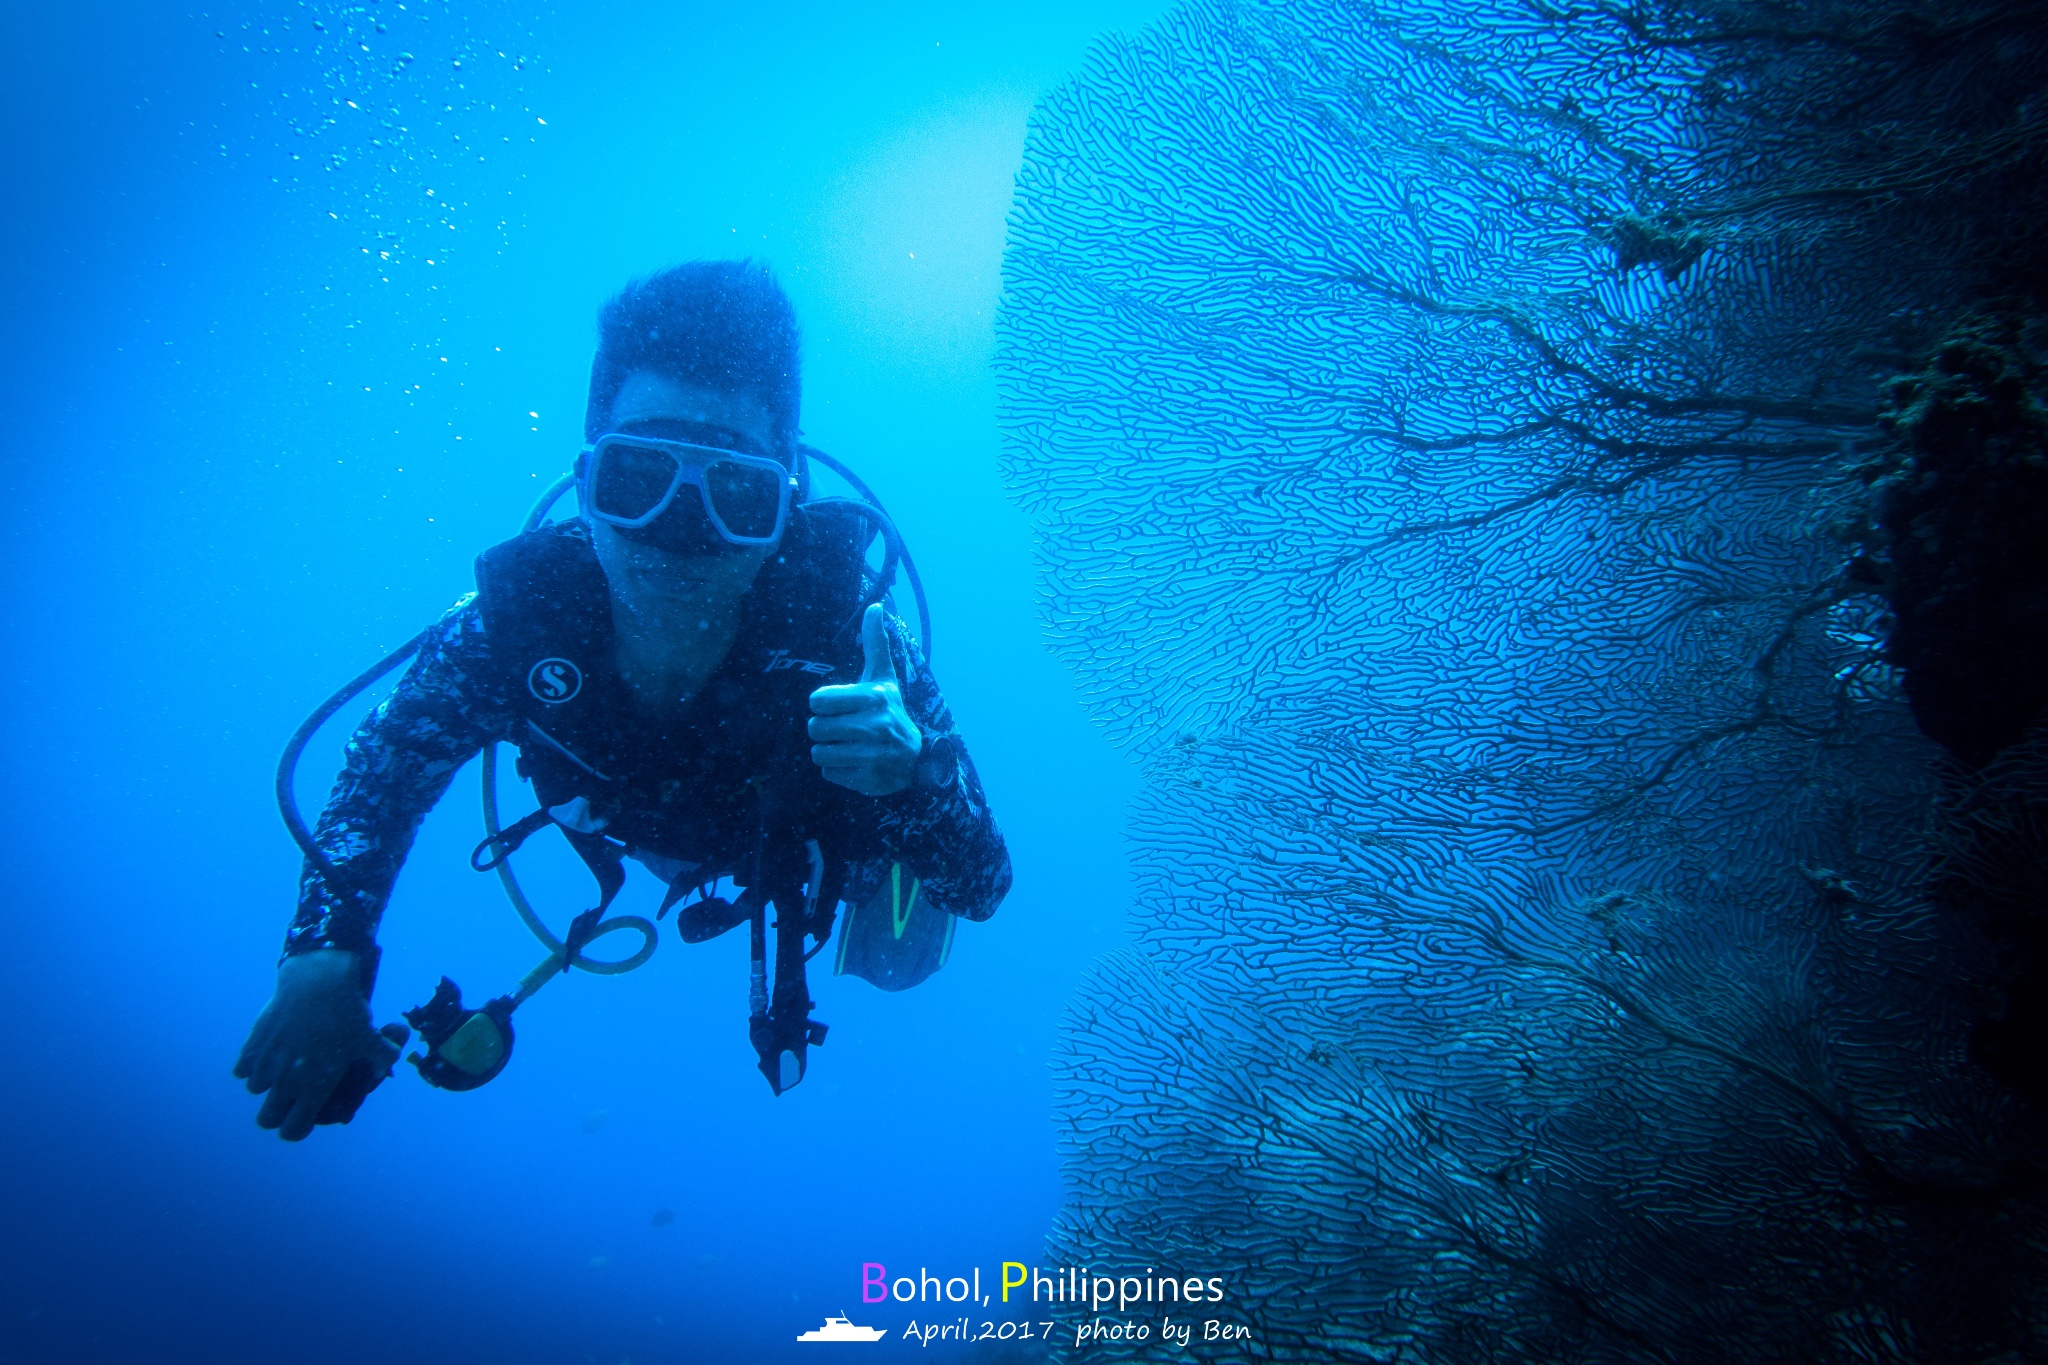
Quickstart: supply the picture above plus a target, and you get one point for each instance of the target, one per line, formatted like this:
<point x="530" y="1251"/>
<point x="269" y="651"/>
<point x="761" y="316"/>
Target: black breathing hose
<point x="895" y="548"/>
<point x="287" y="765"/>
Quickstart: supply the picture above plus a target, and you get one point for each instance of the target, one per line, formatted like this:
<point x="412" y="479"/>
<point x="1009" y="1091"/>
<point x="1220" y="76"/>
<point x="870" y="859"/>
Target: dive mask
<point x="630" y="482"/>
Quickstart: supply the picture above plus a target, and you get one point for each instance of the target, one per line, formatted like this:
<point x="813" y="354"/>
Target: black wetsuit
<point x="691" y="801"/>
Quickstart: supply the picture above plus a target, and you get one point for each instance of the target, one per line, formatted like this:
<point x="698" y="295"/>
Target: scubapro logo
<point x="554" y="680"/>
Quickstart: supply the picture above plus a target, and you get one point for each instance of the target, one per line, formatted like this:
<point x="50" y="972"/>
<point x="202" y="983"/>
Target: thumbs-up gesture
<point x="861" y="736"/>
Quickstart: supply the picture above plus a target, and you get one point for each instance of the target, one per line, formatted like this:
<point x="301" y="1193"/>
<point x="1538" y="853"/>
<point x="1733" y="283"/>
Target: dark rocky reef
<point x="1961" y="501"/>
<point x="1964" y="511"/>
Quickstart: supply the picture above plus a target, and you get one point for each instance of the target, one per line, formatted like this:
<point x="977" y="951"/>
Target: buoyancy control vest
<point x="729" y="793"/>
<point x="725" y="787"/>
<point x="702" y="788"/>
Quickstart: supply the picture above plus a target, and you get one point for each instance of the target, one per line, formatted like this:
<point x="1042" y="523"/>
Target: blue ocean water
<point x="1472" y="483"/>
<point x="299" y="304"/>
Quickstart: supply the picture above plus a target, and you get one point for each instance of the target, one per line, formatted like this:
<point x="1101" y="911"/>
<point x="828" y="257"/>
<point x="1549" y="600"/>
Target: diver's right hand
<point x="313" y="1030"/>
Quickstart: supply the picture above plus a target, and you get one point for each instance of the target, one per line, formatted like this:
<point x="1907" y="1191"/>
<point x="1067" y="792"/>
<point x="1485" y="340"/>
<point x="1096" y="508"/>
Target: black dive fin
<point x="897" y="937"/>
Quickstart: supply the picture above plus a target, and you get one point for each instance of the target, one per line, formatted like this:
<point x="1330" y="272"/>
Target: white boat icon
<point x="842" y="1329"/>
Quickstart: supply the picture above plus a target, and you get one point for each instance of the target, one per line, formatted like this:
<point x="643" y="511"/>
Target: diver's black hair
<point x="724" y="325"/>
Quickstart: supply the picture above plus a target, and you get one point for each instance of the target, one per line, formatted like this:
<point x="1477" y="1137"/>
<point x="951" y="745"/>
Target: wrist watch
<point x="938" y="762"/>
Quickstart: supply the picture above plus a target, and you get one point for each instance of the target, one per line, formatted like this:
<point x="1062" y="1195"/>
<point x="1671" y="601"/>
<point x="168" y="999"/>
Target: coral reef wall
<point x="1451" y="433"/>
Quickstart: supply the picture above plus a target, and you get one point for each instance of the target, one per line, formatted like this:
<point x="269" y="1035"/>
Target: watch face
<point x="939" y="764"/>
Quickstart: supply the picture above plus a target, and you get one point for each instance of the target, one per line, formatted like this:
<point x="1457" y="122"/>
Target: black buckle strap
<point x="506" y="842"/>
<point x="606" y="861"/>
<point x="784" y="1031"/>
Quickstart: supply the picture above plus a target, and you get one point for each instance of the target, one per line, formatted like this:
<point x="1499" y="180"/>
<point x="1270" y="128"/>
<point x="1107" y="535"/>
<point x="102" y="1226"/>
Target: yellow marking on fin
<point x="899" y="907"/>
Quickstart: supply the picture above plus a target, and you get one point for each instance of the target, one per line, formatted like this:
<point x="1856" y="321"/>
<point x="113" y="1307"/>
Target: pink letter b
<point x="872" y="1278"/>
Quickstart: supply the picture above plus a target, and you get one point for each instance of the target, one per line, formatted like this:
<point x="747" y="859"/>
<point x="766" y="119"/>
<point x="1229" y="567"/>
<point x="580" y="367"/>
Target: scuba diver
<point x="700" y="673"/>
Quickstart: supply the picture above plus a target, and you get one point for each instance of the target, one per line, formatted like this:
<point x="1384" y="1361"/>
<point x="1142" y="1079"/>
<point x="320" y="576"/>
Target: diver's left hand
<point x="861" y="735"/>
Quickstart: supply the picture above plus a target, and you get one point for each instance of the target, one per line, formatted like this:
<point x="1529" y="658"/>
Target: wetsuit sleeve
<point x="399" y="761"/>
<point x="941" y="827"/>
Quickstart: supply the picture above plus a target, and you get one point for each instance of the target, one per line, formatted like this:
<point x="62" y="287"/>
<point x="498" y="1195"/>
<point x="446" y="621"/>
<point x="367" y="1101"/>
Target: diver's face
<point x="705" y="565"/>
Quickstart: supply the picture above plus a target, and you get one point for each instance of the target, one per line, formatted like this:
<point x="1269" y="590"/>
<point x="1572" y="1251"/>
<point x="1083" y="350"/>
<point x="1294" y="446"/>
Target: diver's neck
<point x="669" y="643"/>
<point x="674" y="617"/>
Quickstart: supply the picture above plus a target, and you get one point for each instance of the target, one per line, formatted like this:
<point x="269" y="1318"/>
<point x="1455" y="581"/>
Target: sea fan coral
<point x="1444" y="444"/>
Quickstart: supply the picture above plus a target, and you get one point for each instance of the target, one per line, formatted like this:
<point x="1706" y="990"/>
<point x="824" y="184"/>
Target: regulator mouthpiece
<point x="465" y="1047"/>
